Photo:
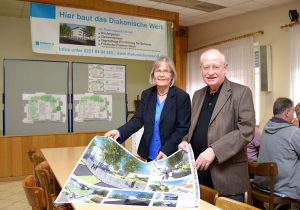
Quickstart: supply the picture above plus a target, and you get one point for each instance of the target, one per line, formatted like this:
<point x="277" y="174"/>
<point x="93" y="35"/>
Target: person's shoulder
<point x="237" y="88"/>
<point x="201" y="90"/>
<point x="179" y="91"/>
<point x="148" y="91"/>
<point x="235" y="85"/>
<point x="295" y="134"/>
<point x="295" y="130"/>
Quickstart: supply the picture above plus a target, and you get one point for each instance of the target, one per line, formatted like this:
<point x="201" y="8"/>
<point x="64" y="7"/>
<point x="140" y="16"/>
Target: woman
<point x="296" y="121"/>
<point x="164" y="111"/>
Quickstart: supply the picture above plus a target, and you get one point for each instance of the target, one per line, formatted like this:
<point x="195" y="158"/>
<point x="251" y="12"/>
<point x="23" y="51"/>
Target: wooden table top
<point x="62" y="162"/>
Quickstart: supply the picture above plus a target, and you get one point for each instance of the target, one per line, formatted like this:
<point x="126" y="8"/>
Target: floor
<point x="12" y="196"/>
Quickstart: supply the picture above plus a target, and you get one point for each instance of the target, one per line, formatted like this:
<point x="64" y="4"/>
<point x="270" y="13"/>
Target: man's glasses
<point x="164" y="72"/>
<point x="213" y="67"/>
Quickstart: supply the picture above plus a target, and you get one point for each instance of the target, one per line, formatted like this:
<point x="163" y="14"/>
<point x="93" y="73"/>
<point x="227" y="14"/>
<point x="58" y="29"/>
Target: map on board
<point x="106" y="78"/>
<point x="42" y="107"/>
<point x="90" y="106"/>
<point x="108" y="174"/>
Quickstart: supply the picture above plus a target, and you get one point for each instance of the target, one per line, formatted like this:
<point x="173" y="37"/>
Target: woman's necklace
<point x="162" y="94"/>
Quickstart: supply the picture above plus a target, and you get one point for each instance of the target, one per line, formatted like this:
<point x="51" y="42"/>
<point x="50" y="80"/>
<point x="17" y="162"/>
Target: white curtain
<point x="295" y="64"/>
<point x="239" y="56"/>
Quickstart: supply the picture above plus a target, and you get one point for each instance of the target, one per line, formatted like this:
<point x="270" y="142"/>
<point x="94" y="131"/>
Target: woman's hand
<point x="160" y="156"/>
<point x="113" y="134"/>
<point x="183" y="145"/>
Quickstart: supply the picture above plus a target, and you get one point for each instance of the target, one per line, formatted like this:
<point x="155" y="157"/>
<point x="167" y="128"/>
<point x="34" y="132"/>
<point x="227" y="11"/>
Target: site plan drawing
<point x="42" y="107"/>
<point x="108" y="174"/>
<point x="90" y="106"/>
<point x="106" y="78"/>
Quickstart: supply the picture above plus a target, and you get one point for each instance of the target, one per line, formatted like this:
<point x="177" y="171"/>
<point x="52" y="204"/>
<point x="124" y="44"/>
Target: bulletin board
<point x="35" y="97"/>
<point x="98" y="96"/>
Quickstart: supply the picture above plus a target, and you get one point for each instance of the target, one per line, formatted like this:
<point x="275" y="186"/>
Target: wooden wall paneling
<point x="5" y="158"/>
<point x="16" y="156"/>
<point x="14" y="161"/>
<point x="177" y="53"/>
<point x="27" y="143"/>
<point x="183" y="55"/>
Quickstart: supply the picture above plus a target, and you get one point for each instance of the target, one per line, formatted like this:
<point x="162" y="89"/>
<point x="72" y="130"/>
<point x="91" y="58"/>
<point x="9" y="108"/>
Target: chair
<point x="35" y="158"/>
<point x="230" y="204"/>
<point x="35" y="195"/>
<point x="53" y="183"/>
<point x="30" y="153"/>
<point x="268" y="169"/>
<point x="208" y="194"/>
<point x="44" y="180"/>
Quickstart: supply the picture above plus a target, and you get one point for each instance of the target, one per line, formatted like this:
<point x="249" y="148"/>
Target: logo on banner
<point x="43" y="45"/>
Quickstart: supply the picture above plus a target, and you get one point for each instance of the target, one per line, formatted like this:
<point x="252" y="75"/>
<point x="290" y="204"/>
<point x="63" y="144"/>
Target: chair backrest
<point x="44" y="180"/>
<point x="35" y="195"/>
<point x="43" y="173"/>
<point x="230" y="204"/>
<point x="267" y="169"/>
<point x="208" y="194"/>
<point x="30" y="152"/>
<point x="35" y="158"/>
<point x="270" y="171"/>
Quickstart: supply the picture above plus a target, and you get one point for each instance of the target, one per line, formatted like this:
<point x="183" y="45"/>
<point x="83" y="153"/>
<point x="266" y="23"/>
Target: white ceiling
<point x="187" y="16"/>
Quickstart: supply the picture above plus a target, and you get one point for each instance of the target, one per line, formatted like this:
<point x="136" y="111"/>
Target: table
<point x="63" y="160"/>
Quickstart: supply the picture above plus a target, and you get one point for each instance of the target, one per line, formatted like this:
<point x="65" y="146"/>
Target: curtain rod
<point x="227" y="40"/>
<point x="289" y="25"/>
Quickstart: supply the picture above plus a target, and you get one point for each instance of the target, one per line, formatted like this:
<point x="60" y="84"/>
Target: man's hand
<point x="183" y="145"/>
<point x="161" y="155"/>
<point x="113" y="134"/>
<point x="205" y="159"/>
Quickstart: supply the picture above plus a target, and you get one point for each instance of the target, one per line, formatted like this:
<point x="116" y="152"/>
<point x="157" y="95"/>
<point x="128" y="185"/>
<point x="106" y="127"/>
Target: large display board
<point x="35" y="97"/>
<point x="98" y="96"/>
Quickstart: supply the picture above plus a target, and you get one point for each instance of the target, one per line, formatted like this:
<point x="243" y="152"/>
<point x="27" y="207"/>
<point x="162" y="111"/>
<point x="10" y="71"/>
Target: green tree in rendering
<point x="175" y="159"/>
<point x="119" y="196"/>
<point x="89" y="31"/>
<point x="144" y="196"/>
<point x="112" y="153"/>
<point x="101" y="192"/>
<point x="131" y="164"/>
<point x="65" y="30"/>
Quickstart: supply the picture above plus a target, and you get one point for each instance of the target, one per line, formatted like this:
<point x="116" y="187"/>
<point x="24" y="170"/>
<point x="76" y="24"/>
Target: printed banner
<point x="70" y="31"/>
<point x="108" y="174"/>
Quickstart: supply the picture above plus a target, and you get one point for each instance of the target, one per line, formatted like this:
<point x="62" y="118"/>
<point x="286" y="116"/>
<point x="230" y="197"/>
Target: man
<point x="222" y="125"/>
<point x="281" y="144"/>
<point x="253" y="146"/>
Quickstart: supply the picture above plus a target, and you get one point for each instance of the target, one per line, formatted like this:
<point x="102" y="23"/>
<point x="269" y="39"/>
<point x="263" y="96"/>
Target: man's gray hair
<point x="222" y="56"/>
<point x="281" y="104"/>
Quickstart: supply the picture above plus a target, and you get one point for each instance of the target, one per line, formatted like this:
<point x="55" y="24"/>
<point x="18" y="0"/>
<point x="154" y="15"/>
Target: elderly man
<point x="281" y="143"/>
<point x="222" y="125"/>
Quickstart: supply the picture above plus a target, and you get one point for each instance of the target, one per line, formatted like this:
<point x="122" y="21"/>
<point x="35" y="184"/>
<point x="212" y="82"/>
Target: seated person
<point x="296" y="121"/>
<point x="280" y="142"/>
<point x="253" y="146"/>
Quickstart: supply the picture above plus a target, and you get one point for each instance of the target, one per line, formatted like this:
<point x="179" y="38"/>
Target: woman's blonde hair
<point x="297" y="107"/>
<point x="171" y="66"/>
